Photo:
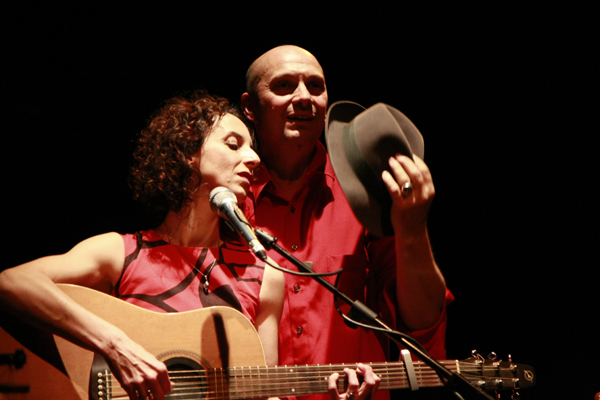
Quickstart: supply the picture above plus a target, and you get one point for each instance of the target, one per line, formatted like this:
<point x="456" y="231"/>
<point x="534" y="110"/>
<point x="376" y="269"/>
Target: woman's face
<point x="227" y="158"/>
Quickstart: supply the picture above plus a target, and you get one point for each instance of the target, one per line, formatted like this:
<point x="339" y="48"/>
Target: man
<point x="297" y="198"/>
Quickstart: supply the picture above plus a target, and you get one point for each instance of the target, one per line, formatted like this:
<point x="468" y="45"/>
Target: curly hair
<point x="162" y="178"/>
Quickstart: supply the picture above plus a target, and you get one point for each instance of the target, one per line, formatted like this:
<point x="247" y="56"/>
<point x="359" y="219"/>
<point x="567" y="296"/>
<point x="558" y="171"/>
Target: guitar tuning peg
<point x="478" y="357"/>
<point x="510" y="358"/>
<point x="492" y="356"/>
<point x="515" y="396"/>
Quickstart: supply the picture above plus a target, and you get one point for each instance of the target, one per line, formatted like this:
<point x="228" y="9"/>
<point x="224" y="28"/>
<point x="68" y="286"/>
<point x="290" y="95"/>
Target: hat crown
<point x="360" y="142"/>
<point x="379" y="135"/>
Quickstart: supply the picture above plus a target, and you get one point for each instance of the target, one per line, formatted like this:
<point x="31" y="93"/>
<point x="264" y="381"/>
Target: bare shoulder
<point x="93" y="262"/>
<point x="96" y="262"/>
<point x="101" y="245"/>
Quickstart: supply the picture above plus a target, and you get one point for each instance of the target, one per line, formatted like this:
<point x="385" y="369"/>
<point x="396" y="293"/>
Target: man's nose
<point x="302" y="95"/>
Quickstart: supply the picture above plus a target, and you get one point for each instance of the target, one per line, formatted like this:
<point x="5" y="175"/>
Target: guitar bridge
<point x="99" y="388"/>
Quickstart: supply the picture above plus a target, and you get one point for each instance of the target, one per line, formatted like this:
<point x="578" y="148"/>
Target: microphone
<point x="224" y="203"/>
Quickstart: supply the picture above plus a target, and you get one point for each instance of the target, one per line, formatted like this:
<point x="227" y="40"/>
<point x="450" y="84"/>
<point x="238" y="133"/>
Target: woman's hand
<point x="141" y="375"/>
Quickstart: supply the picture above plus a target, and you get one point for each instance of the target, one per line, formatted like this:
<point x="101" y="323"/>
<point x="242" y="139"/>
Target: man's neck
<point x="287" y="170"/>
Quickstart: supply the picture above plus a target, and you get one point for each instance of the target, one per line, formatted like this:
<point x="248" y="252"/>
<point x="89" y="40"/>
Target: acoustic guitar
<point x="211" y="353"/>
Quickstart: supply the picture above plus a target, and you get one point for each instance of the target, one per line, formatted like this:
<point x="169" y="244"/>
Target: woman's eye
<point x="232" y="145"/>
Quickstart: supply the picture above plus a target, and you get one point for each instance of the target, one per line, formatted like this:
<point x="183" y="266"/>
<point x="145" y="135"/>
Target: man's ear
<point x="247" y="108"/>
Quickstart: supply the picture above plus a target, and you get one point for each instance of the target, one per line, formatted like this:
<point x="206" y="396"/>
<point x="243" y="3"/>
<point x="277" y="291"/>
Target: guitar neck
<point x="283" y="381"/>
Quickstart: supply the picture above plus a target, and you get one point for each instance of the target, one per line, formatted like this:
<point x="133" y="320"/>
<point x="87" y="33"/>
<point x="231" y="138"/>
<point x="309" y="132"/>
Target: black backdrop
<point x="503" y="95"/>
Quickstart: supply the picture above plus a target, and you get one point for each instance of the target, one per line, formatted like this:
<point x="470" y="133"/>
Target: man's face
<point x="291" y="101"/>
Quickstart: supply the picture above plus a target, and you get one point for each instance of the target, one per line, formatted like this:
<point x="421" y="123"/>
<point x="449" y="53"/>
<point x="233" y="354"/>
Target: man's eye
<point x="315" y="86"/>
<point x="282" y="87"/>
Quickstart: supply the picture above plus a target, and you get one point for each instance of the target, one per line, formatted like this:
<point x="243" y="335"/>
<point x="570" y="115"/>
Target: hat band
<point x="370" y="180"/>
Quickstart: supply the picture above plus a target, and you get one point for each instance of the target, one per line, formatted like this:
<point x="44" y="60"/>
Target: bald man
<point x="298" y="199"/>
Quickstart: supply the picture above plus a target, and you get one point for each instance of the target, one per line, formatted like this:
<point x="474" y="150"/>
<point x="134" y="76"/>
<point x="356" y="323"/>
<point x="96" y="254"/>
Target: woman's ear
<point x="247" y="108"/>
<point x="194" y="163"/>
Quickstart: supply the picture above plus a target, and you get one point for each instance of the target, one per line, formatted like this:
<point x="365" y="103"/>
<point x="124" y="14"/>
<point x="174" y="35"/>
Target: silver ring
<point x="350" y="396"/>
<point x="406" y="189"/>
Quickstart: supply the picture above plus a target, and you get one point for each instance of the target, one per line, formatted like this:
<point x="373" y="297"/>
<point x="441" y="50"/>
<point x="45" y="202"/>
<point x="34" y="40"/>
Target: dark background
<point x="503" y="94"/>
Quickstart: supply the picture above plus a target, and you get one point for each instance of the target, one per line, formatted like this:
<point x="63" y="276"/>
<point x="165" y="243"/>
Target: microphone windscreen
<point x="220" y="195"/>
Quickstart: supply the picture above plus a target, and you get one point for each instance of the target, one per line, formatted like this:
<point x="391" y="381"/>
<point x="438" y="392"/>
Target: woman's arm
<point x="29" y="292"/>
<point x="272" y="294"/>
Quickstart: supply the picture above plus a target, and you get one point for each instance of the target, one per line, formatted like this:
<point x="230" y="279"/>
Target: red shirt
<point x="318" y="225"/>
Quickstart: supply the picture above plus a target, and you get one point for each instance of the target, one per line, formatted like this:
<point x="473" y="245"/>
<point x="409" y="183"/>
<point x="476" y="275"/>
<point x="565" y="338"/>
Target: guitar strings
<point x="256" y="381"/>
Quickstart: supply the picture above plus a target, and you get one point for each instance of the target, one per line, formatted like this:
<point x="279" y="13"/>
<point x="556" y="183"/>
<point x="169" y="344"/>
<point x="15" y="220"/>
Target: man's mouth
<point x="300" y="118"/>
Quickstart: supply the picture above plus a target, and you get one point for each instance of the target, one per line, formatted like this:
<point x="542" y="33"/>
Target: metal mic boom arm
<point x="452" y="381"/>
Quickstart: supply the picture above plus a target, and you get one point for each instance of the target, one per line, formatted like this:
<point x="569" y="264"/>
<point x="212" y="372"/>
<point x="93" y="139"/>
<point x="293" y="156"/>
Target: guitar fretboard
<point x="238" y="383"/>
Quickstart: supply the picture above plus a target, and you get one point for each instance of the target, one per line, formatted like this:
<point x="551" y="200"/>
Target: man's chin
<point x="301" y="131"/>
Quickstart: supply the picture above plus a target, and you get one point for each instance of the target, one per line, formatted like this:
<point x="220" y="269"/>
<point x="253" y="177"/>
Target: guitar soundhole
<point x="189" y="378"/>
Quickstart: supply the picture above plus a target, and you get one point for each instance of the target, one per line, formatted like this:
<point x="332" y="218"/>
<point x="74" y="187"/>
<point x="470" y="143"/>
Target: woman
<point x="191" y="146"/>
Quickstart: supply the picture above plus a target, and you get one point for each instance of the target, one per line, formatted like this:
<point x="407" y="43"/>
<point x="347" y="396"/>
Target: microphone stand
<point x="454" y="382"/>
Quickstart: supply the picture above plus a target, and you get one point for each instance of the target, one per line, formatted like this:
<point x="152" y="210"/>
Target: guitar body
<point x="215" y="337"/>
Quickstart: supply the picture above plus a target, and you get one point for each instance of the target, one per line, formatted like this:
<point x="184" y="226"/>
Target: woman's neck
<point x="192" y="226"/>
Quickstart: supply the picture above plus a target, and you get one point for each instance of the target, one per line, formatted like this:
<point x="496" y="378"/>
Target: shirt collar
<point x="320" y="165"/>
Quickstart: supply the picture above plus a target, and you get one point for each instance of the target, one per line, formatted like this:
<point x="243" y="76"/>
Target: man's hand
<point x="356" y="390"/>
<point x="409" y="207"/>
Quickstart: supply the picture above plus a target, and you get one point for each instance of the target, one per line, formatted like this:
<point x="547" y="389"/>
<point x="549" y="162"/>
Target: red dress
<point x="162" y="277"/>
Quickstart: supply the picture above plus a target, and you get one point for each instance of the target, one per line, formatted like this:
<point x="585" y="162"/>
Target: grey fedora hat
<point x="360" y="142"/>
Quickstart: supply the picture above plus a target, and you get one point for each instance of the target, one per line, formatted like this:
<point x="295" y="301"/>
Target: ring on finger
<point x="406" y="189"/>
<point x="350" y="396"/>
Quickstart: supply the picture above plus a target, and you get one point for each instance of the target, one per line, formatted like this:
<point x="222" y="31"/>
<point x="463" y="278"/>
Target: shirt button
<point x="299" y="330"/>
<point x="296" y="288"/>
<point x="293" y="210"/>
<point x="294" y="247"/>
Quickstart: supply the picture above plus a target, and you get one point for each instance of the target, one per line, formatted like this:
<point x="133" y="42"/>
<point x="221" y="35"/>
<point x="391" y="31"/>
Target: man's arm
<point x="420" y="285"/>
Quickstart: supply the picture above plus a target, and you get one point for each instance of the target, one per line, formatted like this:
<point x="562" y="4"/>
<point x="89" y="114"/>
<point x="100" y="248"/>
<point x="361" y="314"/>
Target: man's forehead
<point x="289" y="62"/>
<point x="293" y="69"/>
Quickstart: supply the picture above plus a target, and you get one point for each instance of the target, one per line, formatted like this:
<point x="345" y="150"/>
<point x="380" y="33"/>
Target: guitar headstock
<point x="490" y="374"/>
